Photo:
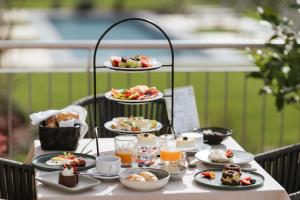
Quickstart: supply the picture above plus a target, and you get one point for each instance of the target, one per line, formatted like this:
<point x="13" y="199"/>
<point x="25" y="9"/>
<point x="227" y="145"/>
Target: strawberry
<point x="209" y="174"/>
<point x="245" y="182"/>
<point x="229" y="153"/>
<point x="145" y="64"/>
<point x="115" y="62"/>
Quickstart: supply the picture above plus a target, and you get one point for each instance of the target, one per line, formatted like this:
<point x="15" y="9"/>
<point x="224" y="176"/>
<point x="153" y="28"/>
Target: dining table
<point x="187" y="188"/>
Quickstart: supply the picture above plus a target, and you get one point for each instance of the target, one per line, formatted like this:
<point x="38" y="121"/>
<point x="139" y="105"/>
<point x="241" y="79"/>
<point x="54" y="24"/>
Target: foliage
<point x="279" y="61"/>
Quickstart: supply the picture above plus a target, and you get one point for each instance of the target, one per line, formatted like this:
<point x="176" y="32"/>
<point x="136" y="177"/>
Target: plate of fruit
<point x="137" y="94"/>
<point x="231" y="177"/>
<point x="134" y="63"/>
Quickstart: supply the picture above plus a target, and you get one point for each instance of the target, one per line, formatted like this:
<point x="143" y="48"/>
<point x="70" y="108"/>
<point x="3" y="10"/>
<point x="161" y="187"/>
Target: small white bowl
<point x="163" y="179"/>
<point x="176" y="175"/>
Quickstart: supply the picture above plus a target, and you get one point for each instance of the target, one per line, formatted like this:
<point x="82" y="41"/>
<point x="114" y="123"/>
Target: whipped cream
<point x="218" y="155"/>
<point x="68" y="171"/>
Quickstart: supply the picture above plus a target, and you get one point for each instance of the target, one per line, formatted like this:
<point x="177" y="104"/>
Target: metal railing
<point x="188" y="76"/>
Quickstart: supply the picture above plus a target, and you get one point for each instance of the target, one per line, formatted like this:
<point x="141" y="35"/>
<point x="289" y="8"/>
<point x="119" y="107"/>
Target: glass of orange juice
<point x="125" y="147"/>
<point x="168" y="151"/>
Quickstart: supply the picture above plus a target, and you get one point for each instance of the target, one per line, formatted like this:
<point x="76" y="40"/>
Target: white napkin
<point x="37" y="118"/>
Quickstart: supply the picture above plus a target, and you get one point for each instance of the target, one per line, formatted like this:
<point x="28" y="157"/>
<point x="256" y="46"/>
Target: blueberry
<point x="185" y="138"/>
<point x="252" y="181"/>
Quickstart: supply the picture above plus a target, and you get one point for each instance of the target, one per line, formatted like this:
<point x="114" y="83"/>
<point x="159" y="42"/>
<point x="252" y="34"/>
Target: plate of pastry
<point x="56" y="161"/>
<point x="134" y="63"/>
<point x="132" y="125"/>
<point x="223" y="157"/>
<point x="144" y="179"/>
<point x="231" y="177"/>
<point x="67" y="180"/>
<point x="136" y="94"/>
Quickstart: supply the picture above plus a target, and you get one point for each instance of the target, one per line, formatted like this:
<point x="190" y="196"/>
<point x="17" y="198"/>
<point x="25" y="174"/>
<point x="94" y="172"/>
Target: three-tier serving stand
<point x="171" y="95"/>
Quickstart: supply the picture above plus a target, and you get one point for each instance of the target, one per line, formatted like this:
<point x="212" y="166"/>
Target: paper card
<point x="185" y="109"/>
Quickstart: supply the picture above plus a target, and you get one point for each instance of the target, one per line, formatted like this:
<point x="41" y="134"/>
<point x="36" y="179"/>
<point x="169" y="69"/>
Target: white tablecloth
<point x="185" y="189"/>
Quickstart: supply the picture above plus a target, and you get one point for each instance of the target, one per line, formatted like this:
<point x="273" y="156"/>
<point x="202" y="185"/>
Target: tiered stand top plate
<point x="155" y="65"/>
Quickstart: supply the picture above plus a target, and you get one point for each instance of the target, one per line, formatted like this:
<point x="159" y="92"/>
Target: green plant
<point x="279" y="61"/>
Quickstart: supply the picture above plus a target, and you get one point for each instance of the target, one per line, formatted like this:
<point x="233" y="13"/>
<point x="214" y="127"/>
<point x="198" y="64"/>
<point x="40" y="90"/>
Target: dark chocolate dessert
<point x="68" y="177"/>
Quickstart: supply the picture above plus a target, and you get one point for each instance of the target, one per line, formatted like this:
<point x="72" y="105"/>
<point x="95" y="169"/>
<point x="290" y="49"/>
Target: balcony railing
<point x="225" y="96"/>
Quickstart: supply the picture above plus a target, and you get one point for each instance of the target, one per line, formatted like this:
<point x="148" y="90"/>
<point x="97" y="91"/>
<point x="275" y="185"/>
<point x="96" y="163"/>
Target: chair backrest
<point x="17" y="180"/>
<point x="283" y="165"/>
<point x="106" y="110"/>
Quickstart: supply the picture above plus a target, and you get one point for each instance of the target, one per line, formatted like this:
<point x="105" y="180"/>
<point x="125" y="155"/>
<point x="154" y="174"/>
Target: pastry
<point x="147" y="139"/>
<point x="135" y="177"/>
<point x="68" y="177"/>
<point x="185" y="142"/>
<point x="64" y="116"/>
<point x="54" y="121"/>
<point x="148" y="176"/>
<point x="230" y="177"/>
<point x="232" y="167"/>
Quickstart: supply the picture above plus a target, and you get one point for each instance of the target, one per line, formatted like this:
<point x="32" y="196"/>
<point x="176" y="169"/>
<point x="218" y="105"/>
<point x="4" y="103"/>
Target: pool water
<point x="90" y="29"/>
<point x="79" y="28"/>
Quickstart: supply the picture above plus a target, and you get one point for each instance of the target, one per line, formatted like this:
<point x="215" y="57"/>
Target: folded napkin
<point x="37" y="118"/>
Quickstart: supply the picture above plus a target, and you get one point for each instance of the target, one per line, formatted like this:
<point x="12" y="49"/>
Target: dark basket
<point x="61" y="138"/>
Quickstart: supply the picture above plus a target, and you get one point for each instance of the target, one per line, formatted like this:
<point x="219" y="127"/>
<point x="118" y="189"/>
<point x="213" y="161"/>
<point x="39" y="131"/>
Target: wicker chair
<point x="283" y="165"/>
<point x="17" y="180"/>
<point x="106" y="110"/>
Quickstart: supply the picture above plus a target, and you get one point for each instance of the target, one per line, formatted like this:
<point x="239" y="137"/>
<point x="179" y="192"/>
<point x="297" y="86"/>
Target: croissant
<point x="135" y="177"/>
<point x="148" y="176"/>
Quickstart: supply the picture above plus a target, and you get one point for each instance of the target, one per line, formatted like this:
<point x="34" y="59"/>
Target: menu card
<point x="185" y="109"/>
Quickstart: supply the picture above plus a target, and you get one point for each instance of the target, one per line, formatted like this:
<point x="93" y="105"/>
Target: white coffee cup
<point x="108" y="164"/>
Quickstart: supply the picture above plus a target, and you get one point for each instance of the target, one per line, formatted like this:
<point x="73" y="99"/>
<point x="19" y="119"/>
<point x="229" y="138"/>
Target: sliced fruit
<point x="209" y="174"/>
<point x="229" y="153"/>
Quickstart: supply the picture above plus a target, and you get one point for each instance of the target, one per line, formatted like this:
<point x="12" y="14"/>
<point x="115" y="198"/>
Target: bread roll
<point x="148" y="176"/>
<point x="64" y="116"/>
<point x="135" y="177"/>
<point x="51" y="122"/>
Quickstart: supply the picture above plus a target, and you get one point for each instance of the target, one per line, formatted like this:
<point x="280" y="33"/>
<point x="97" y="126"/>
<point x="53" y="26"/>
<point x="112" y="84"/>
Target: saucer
<point x="93" y="172"/>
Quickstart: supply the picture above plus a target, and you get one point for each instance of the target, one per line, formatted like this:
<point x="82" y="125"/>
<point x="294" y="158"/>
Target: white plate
<point x="108" y="124"/>
<point x="240" y="157"/>
<point x="110" y="97"/>
<point x="51" y="179"/>
<point x="155" y="65"/>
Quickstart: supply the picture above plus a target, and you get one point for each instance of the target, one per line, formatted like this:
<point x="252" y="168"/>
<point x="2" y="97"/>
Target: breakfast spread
<point x="220" y="156"/>
<point x="139" y="92"/>
<point x="134" y="124"/>
<point x="185" y="142"/>
<point x="139" y="61"/>
<point x="142" y="177"/>
<point x="68" y="177"/>
<point x="66" y="159"/>
<point x="60" y="119"/>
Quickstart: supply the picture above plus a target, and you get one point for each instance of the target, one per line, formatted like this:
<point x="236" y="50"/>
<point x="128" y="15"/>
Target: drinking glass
<point x="125" y="148"/>
<point x="168" y="151"/>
